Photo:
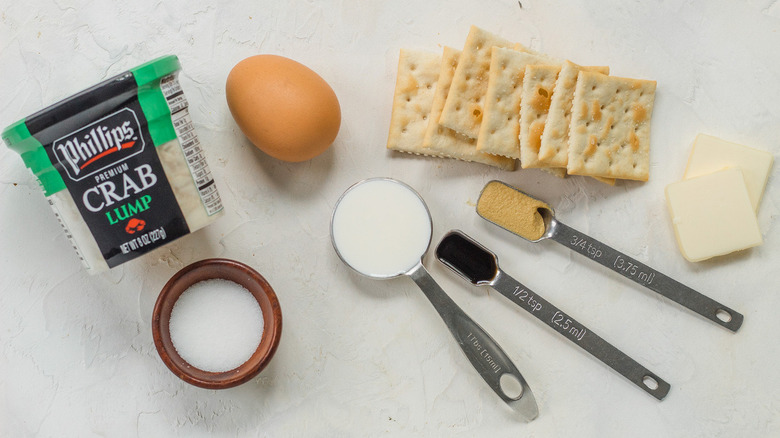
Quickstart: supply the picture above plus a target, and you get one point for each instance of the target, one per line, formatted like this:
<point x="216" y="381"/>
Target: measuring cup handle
<point x="484" y="353"/>
<point x="644" y="275"/>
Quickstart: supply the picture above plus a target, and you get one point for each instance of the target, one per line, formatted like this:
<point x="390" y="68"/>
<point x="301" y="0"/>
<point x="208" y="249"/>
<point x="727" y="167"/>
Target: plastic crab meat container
<point x="121" y="165"/>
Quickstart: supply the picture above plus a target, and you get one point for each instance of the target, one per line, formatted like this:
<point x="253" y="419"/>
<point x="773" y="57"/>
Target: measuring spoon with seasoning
<point x="381" y="228"/>
<point x="477" y="264"/>
<point x="534" y="220"/>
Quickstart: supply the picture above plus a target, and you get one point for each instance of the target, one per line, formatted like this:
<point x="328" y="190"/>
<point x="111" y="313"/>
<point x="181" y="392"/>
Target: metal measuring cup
<point x="484" y="353"/>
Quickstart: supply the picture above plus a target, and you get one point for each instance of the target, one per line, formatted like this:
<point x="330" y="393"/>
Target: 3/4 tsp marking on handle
<point x="587" y="248"/>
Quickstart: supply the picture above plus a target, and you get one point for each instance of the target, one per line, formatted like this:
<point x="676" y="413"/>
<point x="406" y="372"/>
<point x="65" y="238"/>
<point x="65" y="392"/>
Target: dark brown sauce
<point x="467" y="258"/>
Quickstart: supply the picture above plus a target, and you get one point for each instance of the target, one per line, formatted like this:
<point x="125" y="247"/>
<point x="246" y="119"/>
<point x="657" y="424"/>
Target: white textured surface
<point x="360" y="357"/>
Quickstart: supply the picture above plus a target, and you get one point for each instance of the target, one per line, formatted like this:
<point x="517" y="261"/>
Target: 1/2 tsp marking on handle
<point x="528" y="299"/>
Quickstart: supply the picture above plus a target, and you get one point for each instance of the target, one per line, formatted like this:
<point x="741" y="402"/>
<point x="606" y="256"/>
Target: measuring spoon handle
<point x="644" y="275"/>
<point x="580" y="335"/>
<point x="484" y="353"/>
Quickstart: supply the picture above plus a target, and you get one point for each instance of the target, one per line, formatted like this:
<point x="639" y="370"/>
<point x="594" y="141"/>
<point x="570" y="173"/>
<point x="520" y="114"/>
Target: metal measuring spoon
<point x="623" y="264"/>
<point x="479" y="265"/>
<point x="487" y="357"/>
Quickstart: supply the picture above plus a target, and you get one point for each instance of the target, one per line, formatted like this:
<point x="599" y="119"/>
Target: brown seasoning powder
<point x="513" y="210"/>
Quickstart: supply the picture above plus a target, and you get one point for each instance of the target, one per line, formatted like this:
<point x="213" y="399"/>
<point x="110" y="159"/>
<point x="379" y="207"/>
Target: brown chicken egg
<point x="285" y="109"/>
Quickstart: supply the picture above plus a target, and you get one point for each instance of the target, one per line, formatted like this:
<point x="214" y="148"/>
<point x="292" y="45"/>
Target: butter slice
<point x="712" y="215"/>
<point x="710" y="154"/>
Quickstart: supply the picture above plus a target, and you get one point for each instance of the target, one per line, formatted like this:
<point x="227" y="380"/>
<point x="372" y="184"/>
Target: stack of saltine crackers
<point x="496" y="102"/>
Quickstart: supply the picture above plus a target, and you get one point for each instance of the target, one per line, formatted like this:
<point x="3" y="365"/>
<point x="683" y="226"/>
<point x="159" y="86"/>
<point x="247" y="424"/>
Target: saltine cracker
<point x="446" y="142"/>
<point x="538" y="85"/>
<point x="554" y="149"/>
<point x="609" y="135"/>
<point x="418" y="72"/>
<point x="500" y="129"/>
<point x="464" y="106"/>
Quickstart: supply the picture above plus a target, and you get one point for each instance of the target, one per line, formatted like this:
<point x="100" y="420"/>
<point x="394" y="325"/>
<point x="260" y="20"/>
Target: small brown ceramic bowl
<point x="228" y="270"/>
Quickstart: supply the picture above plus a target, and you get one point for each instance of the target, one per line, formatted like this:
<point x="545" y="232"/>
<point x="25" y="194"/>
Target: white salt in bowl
<point x="240" y="274"/>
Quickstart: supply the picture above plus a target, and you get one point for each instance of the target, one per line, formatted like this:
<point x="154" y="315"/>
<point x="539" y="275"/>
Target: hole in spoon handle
<point x="493" y="364"/>
<point x="646" y="276"/>
<point x="654" y="386"/>
<point x="484" y="353"/>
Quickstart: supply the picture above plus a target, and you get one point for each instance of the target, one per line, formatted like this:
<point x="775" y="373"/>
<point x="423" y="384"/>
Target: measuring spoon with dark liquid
<point x="604" y="255"/>
<point x="479" y="265"/>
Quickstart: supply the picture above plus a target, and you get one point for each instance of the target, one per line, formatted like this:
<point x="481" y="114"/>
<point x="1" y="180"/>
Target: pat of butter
<point x="710" y="154"/>
<point x="712" y="215"/>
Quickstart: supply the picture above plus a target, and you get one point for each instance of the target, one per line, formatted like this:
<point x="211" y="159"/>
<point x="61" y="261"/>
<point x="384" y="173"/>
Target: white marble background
<point x="367" y="358"/>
